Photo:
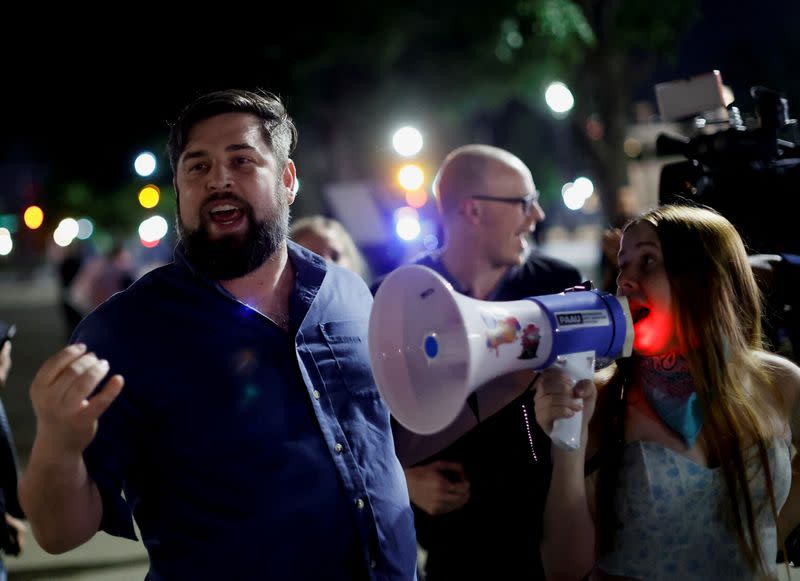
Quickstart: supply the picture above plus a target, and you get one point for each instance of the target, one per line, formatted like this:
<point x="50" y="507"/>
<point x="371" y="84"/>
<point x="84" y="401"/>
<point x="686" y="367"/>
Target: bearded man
<point x="249" y="441"/>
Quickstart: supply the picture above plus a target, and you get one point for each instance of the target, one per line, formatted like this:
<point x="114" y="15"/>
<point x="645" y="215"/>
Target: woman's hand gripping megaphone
<point x="565" y="399"/>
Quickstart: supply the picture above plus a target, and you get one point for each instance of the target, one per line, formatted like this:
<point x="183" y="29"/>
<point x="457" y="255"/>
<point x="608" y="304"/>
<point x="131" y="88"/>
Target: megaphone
<point x="430" y="347"/>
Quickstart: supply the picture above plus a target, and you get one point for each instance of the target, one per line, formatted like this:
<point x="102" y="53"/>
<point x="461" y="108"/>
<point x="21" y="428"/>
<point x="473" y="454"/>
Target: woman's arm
<point x="568" y="530"/>
<point x="786" y="376"/>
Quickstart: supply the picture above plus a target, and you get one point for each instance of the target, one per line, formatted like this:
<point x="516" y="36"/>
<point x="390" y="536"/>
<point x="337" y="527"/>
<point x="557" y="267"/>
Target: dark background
<point x="83" y="93"/>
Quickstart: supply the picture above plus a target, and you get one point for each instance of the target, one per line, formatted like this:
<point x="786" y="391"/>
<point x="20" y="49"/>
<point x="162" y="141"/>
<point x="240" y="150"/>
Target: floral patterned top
<point x="670" y="510"/>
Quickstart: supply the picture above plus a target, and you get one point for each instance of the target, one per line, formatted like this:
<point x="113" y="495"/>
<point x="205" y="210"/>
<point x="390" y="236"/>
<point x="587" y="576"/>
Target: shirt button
<point x="359" y="504"/>
<point x="315" y="393"/>
<point x="338" y="447"/>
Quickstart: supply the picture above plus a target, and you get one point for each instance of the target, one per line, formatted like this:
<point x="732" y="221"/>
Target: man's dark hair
<point x="277" y="127"/>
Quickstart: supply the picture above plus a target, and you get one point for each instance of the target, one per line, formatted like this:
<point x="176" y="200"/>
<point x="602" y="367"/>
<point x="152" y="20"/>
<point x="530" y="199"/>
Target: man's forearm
<point x="492" y="397"/>
<point x="60" y="500"/>
<point x="411" y="448"/>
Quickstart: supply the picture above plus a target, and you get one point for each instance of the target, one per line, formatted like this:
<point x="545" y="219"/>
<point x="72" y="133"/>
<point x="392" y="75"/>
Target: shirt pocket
<point x="347" y="340"/>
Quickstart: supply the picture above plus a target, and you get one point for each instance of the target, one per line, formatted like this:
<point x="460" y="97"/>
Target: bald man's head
<point x="470" y="171"/>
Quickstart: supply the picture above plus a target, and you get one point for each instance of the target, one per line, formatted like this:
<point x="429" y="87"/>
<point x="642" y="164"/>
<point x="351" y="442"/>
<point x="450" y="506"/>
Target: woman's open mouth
<point x="638" y="313"/>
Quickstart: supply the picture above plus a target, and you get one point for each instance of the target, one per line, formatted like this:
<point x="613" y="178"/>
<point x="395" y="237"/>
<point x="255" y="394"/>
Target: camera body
<point x="750" y="175"/>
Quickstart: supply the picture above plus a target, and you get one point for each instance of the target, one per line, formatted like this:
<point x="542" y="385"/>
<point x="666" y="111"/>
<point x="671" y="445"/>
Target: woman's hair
<point x="717" y="308"/>
<point x="344" y="249"/>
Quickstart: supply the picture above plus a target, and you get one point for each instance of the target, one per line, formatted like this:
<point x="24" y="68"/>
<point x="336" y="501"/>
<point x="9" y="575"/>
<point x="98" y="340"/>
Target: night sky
<point x="84" y="99"/>
<point x="749" y="42"/>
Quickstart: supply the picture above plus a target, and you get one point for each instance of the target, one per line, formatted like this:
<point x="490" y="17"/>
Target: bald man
<point x="478" y="502"/>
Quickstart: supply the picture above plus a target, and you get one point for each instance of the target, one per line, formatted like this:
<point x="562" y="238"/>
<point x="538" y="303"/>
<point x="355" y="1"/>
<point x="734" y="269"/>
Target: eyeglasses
<point x="527" y="202"/>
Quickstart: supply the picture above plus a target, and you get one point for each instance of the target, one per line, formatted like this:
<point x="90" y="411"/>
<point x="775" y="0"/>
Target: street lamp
<point x="149" y="196"/>
<point x="6" y="243"/>
<point x="411" y="177"/>
<point x="145" y="164"/>
<point x="33" y="217"/>
<point x="406" y="223"/>
<point x="152" y="230"/>
<point x="559" y="98"/>
<point x="66" y="232"/>
<point x="85" y="229"/>
<point x="407" y="141"/>
<point x="576" y="193"/>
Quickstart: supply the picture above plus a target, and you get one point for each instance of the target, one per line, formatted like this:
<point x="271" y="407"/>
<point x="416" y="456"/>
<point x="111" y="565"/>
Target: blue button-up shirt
<point x="245" y="452"/>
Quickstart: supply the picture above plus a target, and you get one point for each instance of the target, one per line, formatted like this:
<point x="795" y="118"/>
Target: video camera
<point x="749" y="173"/>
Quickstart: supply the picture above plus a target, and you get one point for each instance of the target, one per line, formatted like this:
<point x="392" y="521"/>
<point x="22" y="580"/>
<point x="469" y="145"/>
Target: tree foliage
<point x="468" y="58"/>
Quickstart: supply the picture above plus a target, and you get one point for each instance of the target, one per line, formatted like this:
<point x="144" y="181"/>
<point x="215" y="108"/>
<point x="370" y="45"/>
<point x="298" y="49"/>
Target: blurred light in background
<point x="296" y="185"/>
<point x="85" y="228"/>
<point x="584" y="187"/>
<point x="430" y="242"/>
<point x="594" y="127"/>
<point x="66" y="232"/>
<point x="33" y="217"/>
<point x="145" y="164"/>
<point x="6" y="244"/>
<point x="407" y="141"/>
<point x="9" y="222"/>
<point x="152" y="230"/>
<point x="559" y="98"/>
<point x="411" y="177"/>
<point x="406" y="223"/>
<point x="416" y="198"/>
<point x="576" y="193"/>
<point x="149" y="196"/>
<point x="632" y="147"/>
<point x="592" y="205"/>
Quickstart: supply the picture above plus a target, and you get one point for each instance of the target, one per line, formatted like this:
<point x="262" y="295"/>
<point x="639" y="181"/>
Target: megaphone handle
<point x="566" y="432"/>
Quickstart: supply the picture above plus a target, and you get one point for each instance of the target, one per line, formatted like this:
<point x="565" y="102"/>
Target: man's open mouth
<point x="225" y="214"/>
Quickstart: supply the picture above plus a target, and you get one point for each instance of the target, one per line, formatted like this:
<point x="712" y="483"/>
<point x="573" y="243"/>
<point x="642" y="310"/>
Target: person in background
<point x="249" y="440"/>
<point x="692" y="434"/>
<point x="478" y="487"/>
<point x="12" y="528"/>
<point x="101" y="277"/>
<point x="627" y="208"/>
<point x="69" y="263"/>
<point x="328" y="238"/>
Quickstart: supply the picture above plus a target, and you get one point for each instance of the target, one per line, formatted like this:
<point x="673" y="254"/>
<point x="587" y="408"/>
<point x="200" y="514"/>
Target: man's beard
<point x="235" y="255"/>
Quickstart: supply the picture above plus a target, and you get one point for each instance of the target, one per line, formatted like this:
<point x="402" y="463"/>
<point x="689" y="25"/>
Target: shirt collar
<point x="309" y="273"/>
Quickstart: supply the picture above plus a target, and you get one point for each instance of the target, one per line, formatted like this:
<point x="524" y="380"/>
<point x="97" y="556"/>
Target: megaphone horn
<point x="430" y="347"/>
